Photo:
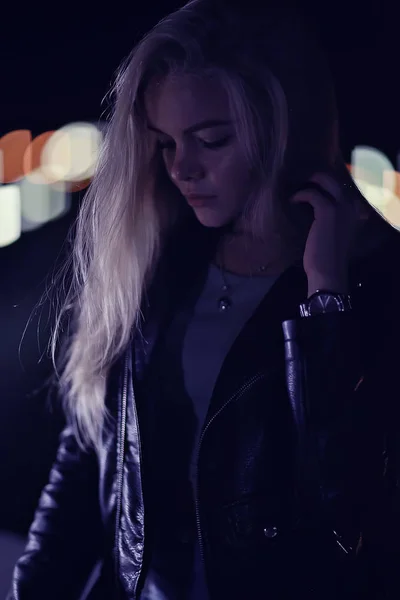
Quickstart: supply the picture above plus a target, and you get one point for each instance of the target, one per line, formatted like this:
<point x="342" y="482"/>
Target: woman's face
<point x="191" y="122"/>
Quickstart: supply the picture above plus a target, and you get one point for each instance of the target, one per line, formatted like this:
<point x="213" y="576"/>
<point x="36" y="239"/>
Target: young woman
<point x="229" y="376"/>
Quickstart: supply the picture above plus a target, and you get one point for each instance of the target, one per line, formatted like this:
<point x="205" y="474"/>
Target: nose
<point x="185" y="167"/>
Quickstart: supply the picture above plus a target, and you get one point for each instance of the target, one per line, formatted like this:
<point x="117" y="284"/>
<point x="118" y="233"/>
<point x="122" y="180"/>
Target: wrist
<point x="339" y="286"/>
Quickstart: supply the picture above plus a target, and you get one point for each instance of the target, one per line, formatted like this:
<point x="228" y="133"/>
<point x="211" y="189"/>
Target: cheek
<point x="231" y="171"/>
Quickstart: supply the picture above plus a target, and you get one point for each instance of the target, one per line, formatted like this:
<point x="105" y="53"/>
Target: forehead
<point x="175" y="102"/>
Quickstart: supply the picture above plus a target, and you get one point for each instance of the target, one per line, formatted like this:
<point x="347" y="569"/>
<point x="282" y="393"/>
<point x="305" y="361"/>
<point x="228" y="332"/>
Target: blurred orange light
<point x="13" y="146"/>
<point x="32" y="156"/>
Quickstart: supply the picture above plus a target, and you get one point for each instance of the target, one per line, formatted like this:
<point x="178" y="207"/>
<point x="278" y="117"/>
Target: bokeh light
<point x="41" y="203"/>
<point x="13" y="146"/>
<point x="10" y="214"/>
<point x="41" y="173"/>
<point x="71" y="153"/>
<point x="378" y="181"/>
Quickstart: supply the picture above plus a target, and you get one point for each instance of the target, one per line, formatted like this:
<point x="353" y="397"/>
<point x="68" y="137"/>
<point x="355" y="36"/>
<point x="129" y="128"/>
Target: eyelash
<point x="208" y="145"/>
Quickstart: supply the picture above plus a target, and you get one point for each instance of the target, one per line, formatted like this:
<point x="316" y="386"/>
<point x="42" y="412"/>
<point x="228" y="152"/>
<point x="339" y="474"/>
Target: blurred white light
<point x="376" y="178"/>
<point x="41" y="203"/>
<point x="10" y="214"/>
<point x="71" y="153"/>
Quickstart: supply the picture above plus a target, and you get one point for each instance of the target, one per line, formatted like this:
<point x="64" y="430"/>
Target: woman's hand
<point x="337" y="215"/>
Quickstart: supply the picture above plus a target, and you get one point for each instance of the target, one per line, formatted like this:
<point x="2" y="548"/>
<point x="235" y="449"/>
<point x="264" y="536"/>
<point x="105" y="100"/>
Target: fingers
<point x="323" y="190"/>
<point x="343" y="189"/>
<point x="320" y="201"/>
<point x="330" y="186"/>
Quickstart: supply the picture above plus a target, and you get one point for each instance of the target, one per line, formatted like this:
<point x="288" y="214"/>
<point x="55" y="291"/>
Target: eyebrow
<point x="202" y="125"/>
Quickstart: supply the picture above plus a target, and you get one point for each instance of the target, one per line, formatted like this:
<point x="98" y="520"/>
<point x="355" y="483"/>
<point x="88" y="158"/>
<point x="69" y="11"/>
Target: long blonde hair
<point x="279" y="93"/>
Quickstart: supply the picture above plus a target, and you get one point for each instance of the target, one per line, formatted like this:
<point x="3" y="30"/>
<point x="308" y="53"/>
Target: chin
<point x="212" y="220"/>
<point x="211" y="223"/>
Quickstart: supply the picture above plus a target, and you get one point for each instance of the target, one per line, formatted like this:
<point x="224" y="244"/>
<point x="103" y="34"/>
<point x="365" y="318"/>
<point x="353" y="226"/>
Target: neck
<point x="243" y="254"/>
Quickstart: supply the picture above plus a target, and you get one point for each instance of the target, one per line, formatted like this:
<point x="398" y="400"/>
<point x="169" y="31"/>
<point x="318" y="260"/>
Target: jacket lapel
<point x="259" y="347"/>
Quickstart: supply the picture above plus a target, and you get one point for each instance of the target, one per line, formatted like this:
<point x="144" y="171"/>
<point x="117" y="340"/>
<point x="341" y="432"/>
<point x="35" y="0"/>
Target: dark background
<point x="56" y="67"/>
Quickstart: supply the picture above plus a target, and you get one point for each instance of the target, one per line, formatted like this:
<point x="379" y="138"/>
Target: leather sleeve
<point x="65" y="538"/>
<point x="345" y="402"/>
<point x="323" y="373"/>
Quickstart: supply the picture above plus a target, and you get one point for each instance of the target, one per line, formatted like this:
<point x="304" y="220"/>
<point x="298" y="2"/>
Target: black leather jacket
<point x="297" y="475"/>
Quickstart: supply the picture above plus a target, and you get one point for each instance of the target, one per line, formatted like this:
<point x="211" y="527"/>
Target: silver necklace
<point x="225" y="301"/>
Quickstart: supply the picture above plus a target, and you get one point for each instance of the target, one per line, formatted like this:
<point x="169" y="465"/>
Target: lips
<point x="197" y="200"/>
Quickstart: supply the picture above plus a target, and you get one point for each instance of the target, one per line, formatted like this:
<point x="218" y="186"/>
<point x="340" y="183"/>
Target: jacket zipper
<point x="235" y="396"/>
<point x="120" y="473"/>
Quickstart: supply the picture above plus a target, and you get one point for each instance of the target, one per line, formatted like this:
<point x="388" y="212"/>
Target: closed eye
<point x="217" y="144"/>
<point x="210" y="145"/>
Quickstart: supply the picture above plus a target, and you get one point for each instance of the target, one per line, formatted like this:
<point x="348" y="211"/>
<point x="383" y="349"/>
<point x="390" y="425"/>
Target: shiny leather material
<point x="306" y="410"/>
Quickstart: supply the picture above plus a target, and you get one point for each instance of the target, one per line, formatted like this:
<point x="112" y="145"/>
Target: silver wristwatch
<point x="325" y="301"/>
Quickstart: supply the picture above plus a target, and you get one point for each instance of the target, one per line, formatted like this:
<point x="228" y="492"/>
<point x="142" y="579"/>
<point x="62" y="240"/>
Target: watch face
<point x="323" y="303"/>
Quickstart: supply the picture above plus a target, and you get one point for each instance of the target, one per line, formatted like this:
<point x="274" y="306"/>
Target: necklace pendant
<point x="224" y="304"/>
